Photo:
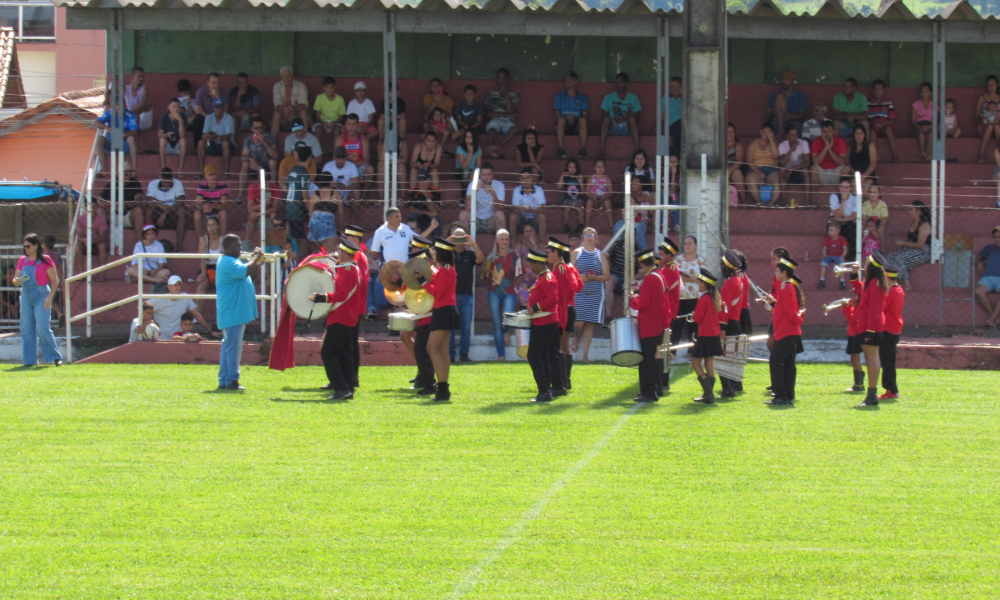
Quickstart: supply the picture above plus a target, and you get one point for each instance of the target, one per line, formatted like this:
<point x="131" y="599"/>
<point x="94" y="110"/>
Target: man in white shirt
<point x="290" y="99"/>
<point x="301" y="134"/>
<point x="217" y="136"/>
<point x="528" y="198"/>
<point x="390" y="242"/>
<point x="489" y="203"/>
<point x="346" y="178"/>
<point x="167" y="313"/>
<point x="795" y="159"/>
<point x="163" y="195"/>
<point x="365" y="109"/>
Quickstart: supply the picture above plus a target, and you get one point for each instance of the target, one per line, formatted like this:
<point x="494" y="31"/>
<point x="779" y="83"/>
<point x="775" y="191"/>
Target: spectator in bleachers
<point x="849" y="108"/>
<point x="616" y="255"/>
<point x="620" y="111"/>
<point x="871" y="242"/>
<point x="881" y="114"/>
<point x="640" y="167"/>
<point x="571" y="108"/>
<point x="130" y="130"/>
<point x="916" y="248"/>
<point x="862" y="155"/>
<point x="469" y="115"/>
<point x="399" y="107"/>
<point x="139" y="324"/>
<point x="951" y="128"/>
<point x="135" y="200"/>
<point x="829" y="158"/>
<point x="99" y="242"/>
<point x="301" y="135"/>
<point x="323" y="207"/>
<point x="526" y="203"/>
<point x="530" y="240"/>
<point x="503" y="272"/>
<point x="762" y="158"/>
<point x="204" y="104"/>
<point x="440" y="124"/>
<point x="795" y="159"/>
<point x="358" y="150"/>
<point x="813" y="128"/>
<point x="329" y="109"/>
<point x="489" y="203"/>
<point x="922" y="119"/>
<point x="675" y="91"/>
<point x="154" y="270"/>
<point x="273" y="209"/>
<point x="210" y="243"/>
<point x="10" y="300"/>
<point x="165" y="202"/>
<point x="530" y="153"/>
<point x="786" y="105"/>
<point x="168" y="311"/>
<point x="690" y="265"/>
<point x="296" y="190"/>
<point x="599" y="191"/>
<point x="173" y="135"/>
<point x="988" y="270"/>
<point x="986" y="128"/>
<point x="640" y="197"/>
<point x="424" y="203"/>
<point x="185" y="99"/>
<point x="467" y="256"/>
<point x="292" y="159"/>
<point x="990" y="123"/>
<point x="259" y="152"/>
<point x="217" y="137"/>
<point x="843" y="210"/>
<point x="291" y="99"/>
<point x="874" y="206"/>
<point x="138" y="100"/>
<point x="212" y="201"/>
<point x="436" y="98"/>
<point x="501" y="108"/>
<point x="365" y="109"/>
<point x="468" y="157"/>
<point x="571" y="183"/>
<point x="736" y="162"/>
<point x="834" y="253"/>
<point x="244" y="102"/>
<point x="426" y="159"/>
<point x="402" y="160"/>
<point x="346" y="179"/>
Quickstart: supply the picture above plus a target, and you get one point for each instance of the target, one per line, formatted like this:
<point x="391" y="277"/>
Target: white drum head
<point x="306" y="281"/>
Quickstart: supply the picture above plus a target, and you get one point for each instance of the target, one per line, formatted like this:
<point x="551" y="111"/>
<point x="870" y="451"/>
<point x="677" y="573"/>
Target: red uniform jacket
<point x="442" y="286"/>
<point x="870" y="315"/>
<point x="745" y="297"/>
<point x="672" y="299"/>
<point x="706" y="317"/>
<point x="361" y="296"/>
<point x="562" y="279"/>
<point x="893" y="310"/>
<point x="544" y="297"/>
<point x="786" y="312"/>
<point x="732" y="294"/>
<point x="850" y="313"/>
<point x="856" y="283"/>
<point x="649" y="303"/>
<point x="576" y="280"/>
<point x="346" y="283"/>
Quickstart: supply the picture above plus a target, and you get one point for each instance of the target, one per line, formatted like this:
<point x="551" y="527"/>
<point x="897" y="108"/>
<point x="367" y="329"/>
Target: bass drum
<point x="313" y="277"/>
<point x="626" y="347"/>
<point x="521" y="339"/>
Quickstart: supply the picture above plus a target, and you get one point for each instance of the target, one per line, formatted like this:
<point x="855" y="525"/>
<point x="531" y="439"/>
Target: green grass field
<point x="144" y="482"/>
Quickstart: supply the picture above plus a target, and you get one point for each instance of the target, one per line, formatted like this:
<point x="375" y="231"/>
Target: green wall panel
<point x="746" y="61"/>
<point x="319" y="54"/>
<point x="198" y="51"/>
<point x="429" y="55"/>
<point x="909" y="64"/>
<point x="528" y="58"/>
<point x="826" y="62"/>
<point x="969" y="64"/>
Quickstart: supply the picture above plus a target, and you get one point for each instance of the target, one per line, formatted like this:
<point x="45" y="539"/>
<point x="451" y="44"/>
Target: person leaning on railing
<point x="154" y="270"/>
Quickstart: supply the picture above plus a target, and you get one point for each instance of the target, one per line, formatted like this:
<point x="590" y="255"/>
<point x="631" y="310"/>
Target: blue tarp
<point x="31" y="191"/>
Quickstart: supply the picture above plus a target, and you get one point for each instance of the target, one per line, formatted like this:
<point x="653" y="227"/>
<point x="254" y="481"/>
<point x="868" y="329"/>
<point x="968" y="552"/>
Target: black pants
<point x="338" y="360"/>
<point x="557" y="375"/>
<point x="680" y="328"/>
<point x="543" y="339"/>
<point x="746" y="324"/>
<point x="887" y="357"/>
<point x="783" y="366"/>
<point x="195" y="126"/>
<point x="356" y="351"/>
<point x="425" y="368"/>
<point x="647" y="368"/>
<point x="675" y="138"/>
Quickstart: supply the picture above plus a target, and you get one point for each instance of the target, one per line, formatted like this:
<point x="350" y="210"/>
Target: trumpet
<point x="762" y="296"/>
<point x="689" y="317"/>
<point x="834" y="305"/>
<point x="265" y="258"/>
<point x="846" y="268"/>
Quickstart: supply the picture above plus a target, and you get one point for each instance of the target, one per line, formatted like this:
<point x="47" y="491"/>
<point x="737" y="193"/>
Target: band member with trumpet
<point x="337" y="350"/>
<point x="893" y="311"/>
<point x="787" y="321"/>
<point x="871" y="318"/>
<point x="355" y="235"/>
<point x="554" y="251"/>
<point x="543" y="345"/>
<point x="708" y="313"/>
<point x="671" y="302"/>
<point x="848" y="306"/>
<point x="570" y="283"/>
<point x="236" y="306"/>
<point x="649" y="302"/>
<point x="732" y="295"/>
<point x="444" y="317"/>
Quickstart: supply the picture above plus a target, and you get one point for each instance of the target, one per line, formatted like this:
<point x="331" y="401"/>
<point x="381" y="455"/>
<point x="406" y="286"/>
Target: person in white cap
<point x="365" y="109"/>
<point x="154" y="270"/>
<point x="167" y="312"/>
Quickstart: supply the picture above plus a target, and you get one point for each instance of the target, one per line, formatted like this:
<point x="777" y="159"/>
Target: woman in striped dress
<point x="594" y="270"/>
<point x="916" y="249"/>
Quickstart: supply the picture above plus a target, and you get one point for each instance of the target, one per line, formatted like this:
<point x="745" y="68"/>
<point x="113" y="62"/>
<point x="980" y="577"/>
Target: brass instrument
<point x="845" y="268"/>
<point x="762" y="296"/>
<point x="421" y="265"/>
<point x="391" y="278"/>
<point x="265" y="258"/>
<point x="834" y="305"/>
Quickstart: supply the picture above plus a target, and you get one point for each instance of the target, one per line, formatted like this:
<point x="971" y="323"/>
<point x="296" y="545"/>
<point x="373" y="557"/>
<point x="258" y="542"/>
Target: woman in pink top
<point x="922" y="118"/>
<point x="38" y="279"/>
<point x="598" y="193"/>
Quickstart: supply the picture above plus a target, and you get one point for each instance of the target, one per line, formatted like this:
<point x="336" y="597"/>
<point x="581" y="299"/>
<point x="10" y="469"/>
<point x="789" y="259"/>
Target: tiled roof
<point x="83" y="106"/>
<point x="11" y="86"/>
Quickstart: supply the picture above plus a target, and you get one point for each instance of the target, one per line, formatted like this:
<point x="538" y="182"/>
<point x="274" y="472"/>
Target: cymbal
<point x="391" y="276"/>
<point x="396" y="298"/>
<point x="419" y="301"/>
<point x="421" y="265"/>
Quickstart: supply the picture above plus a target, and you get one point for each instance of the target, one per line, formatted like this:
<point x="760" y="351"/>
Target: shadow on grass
<point x="316" y="401"/>
<point x="501" y="407"/>
<point x="25" y="368"/>
<point x="693" y="408"/>
<point x="310" y="389"/>
<point x="866" y="408"/>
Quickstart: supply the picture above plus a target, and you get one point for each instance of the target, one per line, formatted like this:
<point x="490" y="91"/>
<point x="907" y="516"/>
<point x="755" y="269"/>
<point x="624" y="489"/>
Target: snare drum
<point x="517" y="320"/>
<point x="405" y="321"/>
<point x="626" y="347"/>
<point x="521" y="339"/>
<point x="313" y="277"/>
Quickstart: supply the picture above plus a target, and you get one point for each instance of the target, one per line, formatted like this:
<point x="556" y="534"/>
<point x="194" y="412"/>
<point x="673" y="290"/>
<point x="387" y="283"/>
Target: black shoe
<point x="542" y="398"/>
<point x="871" y="399"/>
<point x="415" y="380"/>
<point x="843" y="284"/>
<point x="372" y="314"/>
<point x="342" y="395"/>
<point x="641" y="398"/>
<point x="57" y="362"/>
<point x="328" y="388"/>
<point x="235" y="386"/>
<point x="465" y="358"/>
<point x="556" y="392"/>
<point x="779" y="402"/>
<point x="560" y="153"/>
<point x="854" y="389"/>
<point x="582" y="153"/>
<point x="443" y="392"/>
<point x="821" y="284"/>
<point x="867" y="402"/>
<point x="704" y="400"/>
<point x="727" y="388"/>
<point x="427" y="391"/>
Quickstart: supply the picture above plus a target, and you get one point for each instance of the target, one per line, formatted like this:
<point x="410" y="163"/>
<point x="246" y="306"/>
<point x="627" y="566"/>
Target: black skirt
<point x="871" y="339"/>
<point x="445" y="319"/>
<point x="853" y="344"/>
<point x="571" y="319"/>
<point x="733" y="328"/>
<point x="706" y="347"/>
<point x="746" y="324"/>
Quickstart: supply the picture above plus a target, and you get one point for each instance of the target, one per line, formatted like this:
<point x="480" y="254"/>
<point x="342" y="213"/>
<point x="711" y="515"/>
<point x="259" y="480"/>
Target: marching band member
<point x="543" y="344"/>
<point x="554" y="250"/>
<point x="708" y="345"/>
<point x="424" y="382"/>
<point x="354" y="234"/>
<point x="732" y="296"/>
<point x="408" y="337"/>
<point x="850" y="312"/>
<point x="787" y="319"/>
<point x="746" y="323"/>
<point x="649" y="302"/>
<point x="444" y="318"/>
<point x="871" y="319"/>
<point x="337" y="350"/>
<point x="671" y="302"/>
<point x="893" y="312"/>
<point x="576" y="286"/>
<point x="776" y="255"/>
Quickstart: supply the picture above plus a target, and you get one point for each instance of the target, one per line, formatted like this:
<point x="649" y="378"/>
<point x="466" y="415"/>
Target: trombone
<point x="845" y="268"/>
<point x="834" y="305"/>
<point x="265" y="258"/>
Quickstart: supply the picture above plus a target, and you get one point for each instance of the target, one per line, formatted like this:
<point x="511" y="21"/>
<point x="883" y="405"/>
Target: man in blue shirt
<point x="235" y="306"/>
<point x="130" y="129"/>
<point x="786" y="105"/>
<point x="571" y="109"/>
<point x="988" y="269"/>
<point x="621" y="110"/>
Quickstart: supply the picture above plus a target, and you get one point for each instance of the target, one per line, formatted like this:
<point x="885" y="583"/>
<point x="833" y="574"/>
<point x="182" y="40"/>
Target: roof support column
<point x="662" y="166"/>
<point x="116" y="157"/>
<point x="391" y="157"/>
<point x="939" y="128"/>
<point x="704" y="116"/>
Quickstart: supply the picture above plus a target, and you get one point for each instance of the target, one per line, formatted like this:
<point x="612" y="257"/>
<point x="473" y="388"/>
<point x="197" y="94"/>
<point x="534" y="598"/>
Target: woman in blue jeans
<point x="503" y="268"/>
<point x="38" y="279"/>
